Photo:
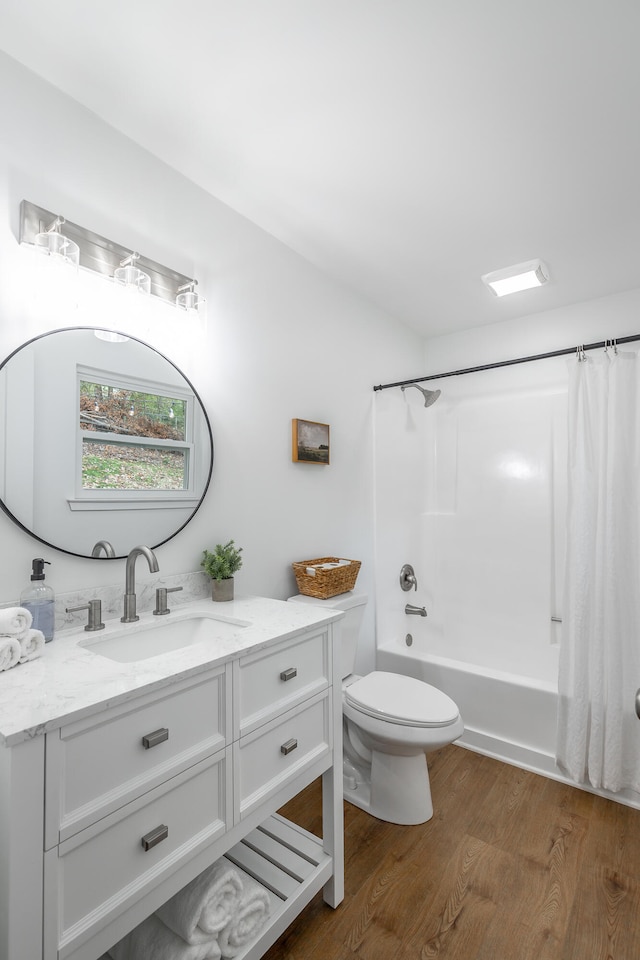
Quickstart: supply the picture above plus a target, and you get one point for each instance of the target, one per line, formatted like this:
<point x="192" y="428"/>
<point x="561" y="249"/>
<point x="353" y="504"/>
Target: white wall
<point x="281" y="341"/>
<point x="478" y="481"/>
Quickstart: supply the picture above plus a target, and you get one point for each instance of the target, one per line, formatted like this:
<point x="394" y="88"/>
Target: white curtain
<point x="598" y="731"/>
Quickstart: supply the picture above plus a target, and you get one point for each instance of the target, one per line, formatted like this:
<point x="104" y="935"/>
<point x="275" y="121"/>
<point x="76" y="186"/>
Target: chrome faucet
<point x="103" y="545"/>
<point x="130" y="615"/>
<point x="416" y="611"/>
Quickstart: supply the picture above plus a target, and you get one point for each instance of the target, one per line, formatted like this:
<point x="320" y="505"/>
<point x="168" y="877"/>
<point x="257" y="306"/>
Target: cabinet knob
<point x="289" y="674"/>
<point x="153" y="739"/>
<point x="154" y="837"/>
<point x="289" y="746"/>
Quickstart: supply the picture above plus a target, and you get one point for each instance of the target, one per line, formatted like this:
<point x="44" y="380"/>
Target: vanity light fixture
<point x="521" y="276"/>
<point x="40" y="228"/>
<point x="110" y="336"/>
<point x="187" y="298"/>
<point x="131" y="276"/>
<point x="53" y="243"/>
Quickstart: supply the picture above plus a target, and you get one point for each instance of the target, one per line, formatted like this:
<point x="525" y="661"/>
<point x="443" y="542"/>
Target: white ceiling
<point x="403" y="146"/>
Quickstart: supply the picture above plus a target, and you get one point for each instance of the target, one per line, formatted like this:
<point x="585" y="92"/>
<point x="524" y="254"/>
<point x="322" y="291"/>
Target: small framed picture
<point x="310" y="442"/>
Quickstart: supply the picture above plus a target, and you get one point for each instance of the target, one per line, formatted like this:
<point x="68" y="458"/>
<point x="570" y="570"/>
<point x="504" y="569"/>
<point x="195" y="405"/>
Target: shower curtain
<point x="598" y="731"/>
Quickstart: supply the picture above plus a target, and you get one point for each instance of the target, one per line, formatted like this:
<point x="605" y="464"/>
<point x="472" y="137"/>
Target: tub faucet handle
<point x="408" y="578"/>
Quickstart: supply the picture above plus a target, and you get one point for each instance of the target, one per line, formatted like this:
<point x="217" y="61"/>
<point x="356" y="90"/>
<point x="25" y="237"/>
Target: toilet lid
<point x="401" y="699"/>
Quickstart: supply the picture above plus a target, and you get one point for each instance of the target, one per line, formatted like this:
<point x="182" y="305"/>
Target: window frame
<point x="92" y="498"/>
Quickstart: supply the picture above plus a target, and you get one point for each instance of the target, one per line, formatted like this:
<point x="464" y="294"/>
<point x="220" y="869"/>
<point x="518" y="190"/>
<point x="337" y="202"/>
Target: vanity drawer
<point x="98" y="764"/>
<point x="91" y="878"/>
<point x="268" y="683"/>
<point x="266" y="759"/>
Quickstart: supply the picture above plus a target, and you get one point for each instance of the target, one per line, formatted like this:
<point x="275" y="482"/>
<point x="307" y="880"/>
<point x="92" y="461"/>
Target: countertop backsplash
<point x="195" y="586"/>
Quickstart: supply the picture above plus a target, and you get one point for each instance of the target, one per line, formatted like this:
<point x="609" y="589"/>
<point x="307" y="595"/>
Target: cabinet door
<point x="98" y="873"/>
<point x="98" y="764"/>
<point x="269" y="682"/>
<point x="279" y="751"/>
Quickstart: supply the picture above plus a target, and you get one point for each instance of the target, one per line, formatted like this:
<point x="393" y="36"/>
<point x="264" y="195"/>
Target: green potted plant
<point x="221" y="564"/>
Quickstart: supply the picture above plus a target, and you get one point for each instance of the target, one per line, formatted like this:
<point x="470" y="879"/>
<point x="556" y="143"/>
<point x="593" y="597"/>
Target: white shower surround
<point x="482" y="477"/>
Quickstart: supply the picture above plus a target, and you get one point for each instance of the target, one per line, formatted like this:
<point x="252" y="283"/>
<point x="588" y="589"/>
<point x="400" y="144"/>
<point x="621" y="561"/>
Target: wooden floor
<point x="512" y="866"/>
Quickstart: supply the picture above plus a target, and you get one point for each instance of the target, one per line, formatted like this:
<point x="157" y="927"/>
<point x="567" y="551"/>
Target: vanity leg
<point x="333" y="833"/>
<point x="332" y="801"/>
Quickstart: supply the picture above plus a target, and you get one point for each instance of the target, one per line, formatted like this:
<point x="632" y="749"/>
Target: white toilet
<point x="390" y="723"/>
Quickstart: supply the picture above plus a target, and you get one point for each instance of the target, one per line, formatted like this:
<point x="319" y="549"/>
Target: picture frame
<point x="310" y="442"/>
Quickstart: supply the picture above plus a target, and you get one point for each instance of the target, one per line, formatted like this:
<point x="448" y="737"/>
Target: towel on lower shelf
<point x="248" y="920"/>
<point x="202" y="908"/>
<point x="31" y="645"/>
<point x="14" y="622"/>
<point x="9" y="652"/>
<point x="152" y="940"/>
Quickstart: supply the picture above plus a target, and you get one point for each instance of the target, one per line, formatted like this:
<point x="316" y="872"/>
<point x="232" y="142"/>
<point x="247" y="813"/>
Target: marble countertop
<point x="69" y="681"/>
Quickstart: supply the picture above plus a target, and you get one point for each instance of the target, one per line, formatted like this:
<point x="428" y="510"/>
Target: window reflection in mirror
<point x="143" y="442"/>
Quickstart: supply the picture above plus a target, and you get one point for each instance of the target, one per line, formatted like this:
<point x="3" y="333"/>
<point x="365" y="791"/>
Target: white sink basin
<point x="137" y="641"/>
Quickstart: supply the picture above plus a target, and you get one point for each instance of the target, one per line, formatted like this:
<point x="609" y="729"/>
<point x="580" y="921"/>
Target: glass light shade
<point x="131" y="276"/>
<point x="55" y="244"/>
<point x="110" y="336"/>
<point x="190" y="301"/>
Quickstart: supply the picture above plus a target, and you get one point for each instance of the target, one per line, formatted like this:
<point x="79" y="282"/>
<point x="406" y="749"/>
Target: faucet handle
<point x="408" y="578"/>
<point x="161" y="600"/>
<point x="95" y="614"/>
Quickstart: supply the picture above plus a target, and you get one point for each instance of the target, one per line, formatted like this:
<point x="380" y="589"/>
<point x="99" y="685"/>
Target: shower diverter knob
<point x="408" y="578"/>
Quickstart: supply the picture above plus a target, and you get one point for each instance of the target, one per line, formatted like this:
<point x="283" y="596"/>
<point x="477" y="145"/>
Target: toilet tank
<point x="353" y="604"/>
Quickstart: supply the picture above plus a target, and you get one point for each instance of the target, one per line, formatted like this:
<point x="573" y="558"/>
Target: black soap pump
<point x="39" y="600"/>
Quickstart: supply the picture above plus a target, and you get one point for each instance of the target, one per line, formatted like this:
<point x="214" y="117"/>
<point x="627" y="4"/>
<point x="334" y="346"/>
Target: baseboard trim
<point x="535" y="762"/>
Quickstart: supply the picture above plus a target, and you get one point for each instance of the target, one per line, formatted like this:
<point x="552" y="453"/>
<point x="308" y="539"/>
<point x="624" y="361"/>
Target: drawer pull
<point x="155" y="836"/>
<point x="289" y="674"/>
<point x="289" y="746"/>
<point x="153" y="739"/>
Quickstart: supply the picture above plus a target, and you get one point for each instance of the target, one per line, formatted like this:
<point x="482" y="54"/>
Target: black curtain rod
<point x="510" y="363"/>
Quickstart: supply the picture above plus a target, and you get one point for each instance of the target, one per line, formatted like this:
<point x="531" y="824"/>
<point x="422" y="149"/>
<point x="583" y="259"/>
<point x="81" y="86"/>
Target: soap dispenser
<point x="39" y="600"/>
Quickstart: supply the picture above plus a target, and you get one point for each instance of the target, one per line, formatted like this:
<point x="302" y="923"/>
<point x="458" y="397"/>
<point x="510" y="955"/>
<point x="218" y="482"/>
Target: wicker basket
<point x="326" y="583"/>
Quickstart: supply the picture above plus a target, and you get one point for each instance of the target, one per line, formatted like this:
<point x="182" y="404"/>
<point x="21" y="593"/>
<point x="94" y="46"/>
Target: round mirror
<point x="104" y="443"/>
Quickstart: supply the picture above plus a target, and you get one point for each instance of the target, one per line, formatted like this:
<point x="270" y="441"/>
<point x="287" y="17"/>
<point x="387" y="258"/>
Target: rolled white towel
<point x="152" y="940"/>
<point x="201" y="909"/>
<point x="15" y="621"/>
<point x="31" y="645"/>
<point x="9" y="652"/>
<point x="248" y="920"/>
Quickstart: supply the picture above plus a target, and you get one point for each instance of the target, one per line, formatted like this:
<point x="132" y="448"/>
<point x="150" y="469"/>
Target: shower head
<point x="430" y="396"/>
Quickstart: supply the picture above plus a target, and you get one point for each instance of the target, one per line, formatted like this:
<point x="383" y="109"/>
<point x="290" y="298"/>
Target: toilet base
<point x="396" y="791"/>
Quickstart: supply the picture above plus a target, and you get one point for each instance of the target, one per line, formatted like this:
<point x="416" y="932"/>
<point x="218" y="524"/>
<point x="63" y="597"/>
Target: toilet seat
<point x="399" y="699"/>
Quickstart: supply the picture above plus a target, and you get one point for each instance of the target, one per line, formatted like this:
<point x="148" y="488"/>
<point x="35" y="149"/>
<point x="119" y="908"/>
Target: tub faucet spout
<point x="415" y="611"/>
<point x="130" y="615"/>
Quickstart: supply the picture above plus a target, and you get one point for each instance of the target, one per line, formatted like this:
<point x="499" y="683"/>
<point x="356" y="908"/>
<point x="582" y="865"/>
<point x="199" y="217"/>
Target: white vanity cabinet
<point x="282" y="716"/>
<point x="130" y="795"/>
<point x="115" y="811"/>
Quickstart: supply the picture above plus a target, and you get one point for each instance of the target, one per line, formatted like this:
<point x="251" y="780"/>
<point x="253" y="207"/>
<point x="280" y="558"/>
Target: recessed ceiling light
<point x="522" y="276"/>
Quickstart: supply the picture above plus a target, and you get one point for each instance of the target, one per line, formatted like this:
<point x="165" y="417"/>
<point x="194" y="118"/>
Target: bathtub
<point x="508" y="716"/>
